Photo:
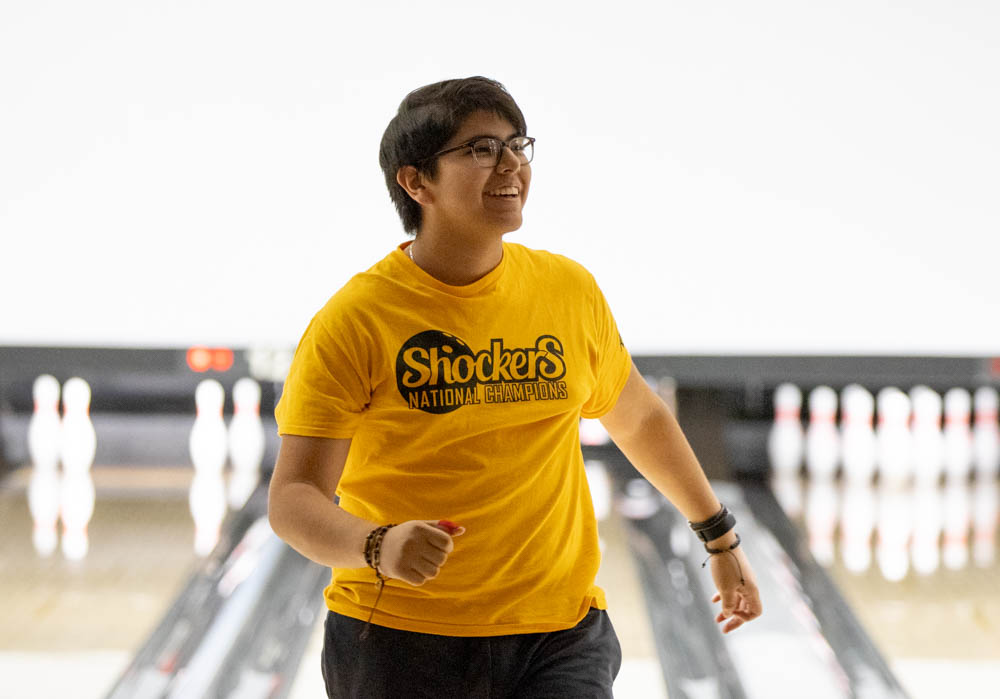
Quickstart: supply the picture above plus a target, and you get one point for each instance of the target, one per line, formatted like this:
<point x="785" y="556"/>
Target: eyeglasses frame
<point x="503" y="144"/>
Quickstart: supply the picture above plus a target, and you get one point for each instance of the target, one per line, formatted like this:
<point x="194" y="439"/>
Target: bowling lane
<point x="88" y="618"/>
<point x="919" y="567"/>
<point x="69" y="628"/>
<point x="640" y="677"/>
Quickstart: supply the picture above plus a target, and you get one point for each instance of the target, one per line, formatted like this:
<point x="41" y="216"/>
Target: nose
<point x="509" y="162"/>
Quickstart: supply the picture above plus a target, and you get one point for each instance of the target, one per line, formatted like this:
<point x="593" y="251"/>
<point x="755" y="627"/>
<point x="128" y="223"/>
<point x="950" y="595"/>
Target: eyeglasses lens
<point x="488" y="151"/>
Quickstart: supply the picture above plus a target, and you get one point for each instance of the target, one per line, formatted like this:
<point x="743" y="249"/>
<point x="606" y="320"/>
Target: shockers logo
<point x="437" y="372"/>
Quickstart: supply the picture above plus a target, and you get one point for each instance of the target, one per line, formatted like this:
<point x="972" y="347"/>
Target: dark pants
<point x="580" y="662"/>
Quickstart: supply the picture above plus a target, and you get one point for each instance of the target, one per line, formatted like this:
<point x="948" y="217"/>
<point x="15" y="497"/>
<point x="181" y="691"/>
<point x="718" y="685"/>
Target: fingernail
<point x="449" y="525"/>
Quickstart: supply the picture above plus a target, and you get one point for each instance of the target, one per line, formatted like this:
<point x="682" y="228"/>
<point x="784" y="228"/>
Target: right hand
<point x="414" y="551"/>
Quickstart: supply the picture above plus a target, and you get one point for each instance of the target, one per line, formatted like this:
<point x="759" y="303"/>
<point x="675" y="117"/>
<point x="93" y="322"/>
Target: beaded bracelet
<point x="729" y="550"/>
<point x="373" y="557"/>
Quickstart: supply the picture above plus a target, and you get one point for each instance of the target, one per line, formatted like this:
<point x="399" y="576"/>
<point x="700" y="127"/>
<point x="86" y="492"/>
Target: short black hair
<point x="427" y="118"/>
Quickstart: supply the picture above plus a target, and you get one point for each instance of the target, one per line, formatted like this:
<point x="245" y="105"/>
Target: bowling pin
<point x="592" y="433"/>
<point x="894" y="443"/>
<point x="928" y="441"/>
<point x="821" y="518"/>
<point x="786" y="438"/>
<point x="822" y="438"/>
<point x="895" y="525"/>
<point x="986" y="433"/>
<point x="957" y="521"/>
<point x="45" y="425"/>
<point x="925" y="547"/>
<point x="600" y="492"/>
<point x="857" y="435"/>
<point x="600" y="488"/>
<point x="78" y="448"/>
<point x="857" y="521"/>
<point x="640" y="500"/>
<point x="957" y="435"/>
<point x="246" y="441"/>
<point x="208" y="445"/>
<point x="44" y="432"/>
<point x="985" y="501"/>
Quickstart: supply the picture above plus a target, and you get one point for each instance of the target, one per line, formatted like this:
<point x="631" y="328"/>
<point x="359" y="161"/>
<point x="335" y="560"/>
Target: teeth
<point x="504" y="191"/>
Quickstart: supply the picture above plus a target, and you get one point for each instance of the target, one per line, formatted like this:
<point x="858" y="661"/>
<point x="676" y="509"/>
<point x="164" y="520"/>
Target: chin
<point x="511" y="222"/>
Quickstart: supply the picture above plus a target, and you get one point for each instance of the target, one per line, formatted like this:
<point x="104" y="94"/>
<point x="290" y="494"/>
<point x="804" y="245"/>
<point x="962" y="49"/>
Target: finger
<point x="716" y="597"/>
<point x="412" y="577"/>
<point x="435" y="557"/>
<point x="428" y="570"/>
<point x="733" y="624"/>
<point x="436" y="536"/>
<point x="746" y="613"/>
<point x="730" y="602"/>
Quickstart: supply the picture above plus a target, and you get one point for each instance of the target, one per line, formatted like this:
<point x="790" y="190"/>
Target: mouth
<point x="506" y="192"/>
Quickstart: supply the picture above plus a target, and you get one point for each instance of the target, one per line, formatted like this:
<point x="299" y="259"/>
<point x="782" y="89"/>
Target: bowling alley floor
<point x="940" y="633"/>
<point x="69" y="629"/>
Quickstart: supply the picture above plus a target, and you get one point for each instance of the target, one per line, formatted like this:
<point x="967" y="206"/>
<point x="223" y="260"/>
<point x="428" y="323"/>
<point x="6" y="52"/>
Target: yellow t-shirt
<point x="463" y="403"/>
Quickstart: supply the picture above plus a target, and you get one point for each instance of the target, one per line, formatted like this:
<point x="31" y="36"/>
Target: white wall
<point x="766" y="177"/>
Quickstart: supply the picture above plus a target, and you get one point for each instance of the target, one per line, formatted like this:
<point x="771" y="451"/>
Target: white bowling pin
<point x="857" y="435"/>
<point x="640" y="500"/>
<point x="600" y="488"/>
<point x="893" y="439"/>
<point x="246" y="441"/>
<point x="786" y="438"/>
<point x="957" y="521"/>
<point x="957" y="435"/>
<point x="925" y="547"/>
<point x="985" y="501"/>
<point x="208" y="445"/>
<point x="821" y="518"/>
<point x="79" y="446"/>
<point x="986" y="433"/>
<point x="822" y="438"/>
<point x="79" y="440"/>
<point x="592" y="433"/>
<point x="44" y="433"/>
<point x="928" y="441"/>
<point x="857" y="521"/>
<point x="895" y="525"/>
<point x="45" y="425"/>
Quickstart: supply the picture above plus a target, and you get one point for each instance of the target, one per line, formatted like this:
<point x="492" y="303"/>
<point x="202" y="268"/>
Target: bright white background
<point x="741" y="177"/>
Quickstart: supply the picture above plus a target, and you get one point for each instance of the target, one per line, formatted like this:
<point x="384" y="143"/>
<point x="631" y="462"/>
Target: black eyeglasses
<point x="488" y="151"/>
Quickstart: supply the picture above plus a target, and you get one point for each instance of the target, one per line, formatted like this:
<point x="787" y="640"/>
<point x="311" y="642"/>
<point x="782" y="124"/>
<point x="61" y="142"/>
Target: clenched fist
<point x="414" y="551"/>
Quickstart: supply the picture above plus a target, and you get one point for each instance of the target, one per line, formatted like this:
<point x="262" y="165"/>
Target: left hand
<point x="740" y="601"/>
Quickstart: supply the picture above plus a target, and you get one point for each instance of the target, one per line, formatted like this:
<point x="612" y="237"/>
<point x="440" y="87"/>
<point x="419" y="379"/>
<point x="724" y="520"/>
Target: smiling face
<point x="466" y="199"/>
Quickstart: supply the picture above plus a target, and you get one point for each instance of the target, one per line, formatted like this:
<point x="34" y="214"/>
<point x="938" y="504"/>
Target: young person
<point x="438" y="394"/>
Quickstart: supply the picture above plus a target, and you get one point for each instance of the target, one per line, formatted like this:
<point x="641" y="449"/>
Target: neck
<point x="456" y="261"/>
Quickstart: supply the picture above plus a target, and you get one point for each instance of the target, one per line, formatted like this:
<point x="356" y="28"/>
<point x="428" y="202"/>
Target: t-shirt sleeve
<point x="328" y="385"/>
<point x="611" y="361"/>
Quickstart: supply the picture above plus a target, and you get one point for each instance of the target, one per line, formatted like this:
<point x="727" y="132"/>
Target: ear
<point x="410" y="179"/>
